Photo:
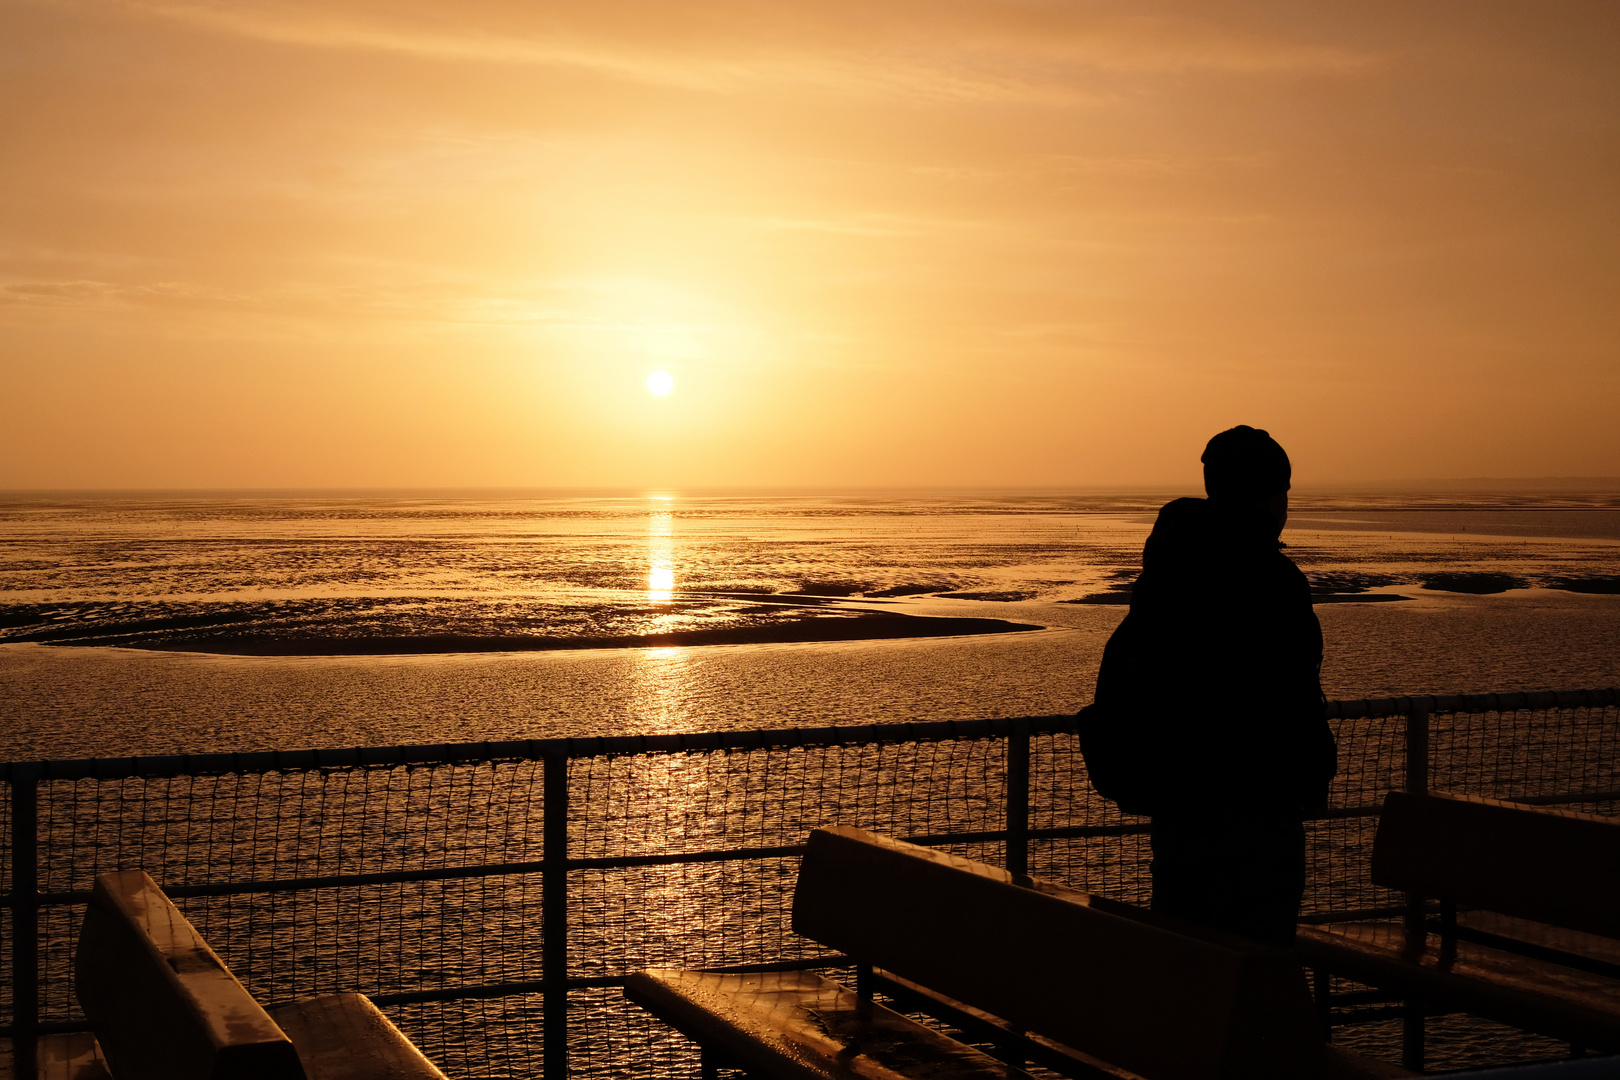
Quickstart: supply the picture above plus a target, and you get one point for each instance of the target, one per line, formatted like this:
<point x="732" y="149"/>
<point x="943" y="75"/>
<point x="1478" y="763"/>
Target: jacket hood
<point x="1202" y="530"/>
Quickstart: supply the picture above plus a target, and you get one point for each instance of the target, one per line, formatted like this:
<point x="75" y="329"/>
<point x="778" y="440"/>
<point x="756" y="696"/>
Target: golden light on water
<point x="660" y="383"/>
<point x="660" y="554"/>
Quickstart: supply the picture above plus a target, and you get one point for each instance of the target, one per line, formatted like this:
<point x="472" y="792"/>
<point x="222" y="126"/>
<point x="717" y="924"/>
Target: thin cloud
<point x="1158" y="164"/>
<point x="844" y="227"/>
<point x="107" y="295"/>
<point x="427" y="301"/>
<point x="965" y="50"/>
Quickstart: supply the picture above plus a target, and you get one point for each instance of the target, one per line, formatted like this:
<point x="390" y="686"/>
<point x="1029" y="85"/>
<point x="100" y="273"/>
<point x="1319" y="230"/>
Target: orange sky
<point x="956" y="242"/>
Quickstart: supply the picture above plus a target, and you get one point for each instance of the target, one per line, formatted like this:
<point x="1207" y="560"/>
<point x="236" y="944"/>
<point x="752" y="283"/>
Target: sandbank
<point x="876" y="625"/>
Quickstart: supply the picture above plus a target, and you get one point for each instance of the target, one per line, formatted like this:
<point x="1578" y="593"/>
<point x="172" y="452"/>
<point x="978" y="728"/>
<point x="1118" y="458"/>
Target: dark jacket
<point x="1217" y="668"/>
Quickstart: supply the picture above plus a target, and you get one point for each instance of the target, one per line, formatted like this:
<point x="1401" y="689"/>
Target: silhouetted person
<point x="1212" y="685"/>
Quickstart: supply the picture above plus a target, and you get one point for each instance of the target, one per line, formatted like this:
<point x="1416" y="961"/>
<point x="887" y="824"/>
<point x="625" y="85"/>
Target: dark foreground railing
<point x="493" y="896"/>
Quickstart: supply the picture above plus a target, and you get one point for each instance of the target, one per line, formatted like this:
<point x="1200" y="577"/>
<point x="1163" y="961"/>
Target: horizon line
<point x="647" y="490"/>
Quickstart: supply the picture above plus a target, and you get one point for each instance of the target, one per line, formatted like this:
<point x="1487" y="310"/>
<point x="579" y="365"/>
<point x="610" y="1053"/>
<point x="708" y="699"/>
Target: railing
<point x="492" y="896"/>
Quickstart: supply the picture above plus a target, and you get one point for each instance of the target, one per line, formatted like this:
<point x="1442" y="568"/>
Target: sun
<point x="660" y="383"/>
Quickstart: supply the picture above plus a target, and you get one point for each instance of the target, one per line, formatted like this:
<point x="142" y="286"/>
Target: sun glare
<point x="660" y="584"/>
<point x="660" y="383"/>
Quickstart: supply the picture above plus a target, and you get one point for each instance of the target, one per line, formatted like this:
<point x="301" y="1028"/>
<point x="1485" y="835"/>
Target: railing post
<point x="1018" y="798"/>
<point x="25" y="919"/>
<point x="1417" y="931"/>
<point x="1417" y="782"/>
<point x="1412" y="1035"/>
<point x="554" y="914"/>
<point x="1417" y="746"/>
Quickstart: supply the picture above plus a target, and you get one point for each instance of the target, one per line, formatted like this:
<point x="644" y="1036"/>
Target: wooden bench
<point x="163" y="1005"/>
<point x="1102" y="989"/>
<point x="1527" y="929"/>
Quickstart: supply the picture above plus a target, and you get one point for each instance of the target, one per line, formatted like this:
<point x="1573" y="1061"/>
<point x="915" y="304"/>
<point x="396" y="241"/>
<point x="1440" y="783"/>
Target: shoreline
<point x="876" y="626"/>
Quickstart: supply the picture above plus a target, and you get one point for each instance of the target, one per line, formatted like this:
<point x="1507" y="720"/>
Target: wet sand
<point x="862" y="627"/>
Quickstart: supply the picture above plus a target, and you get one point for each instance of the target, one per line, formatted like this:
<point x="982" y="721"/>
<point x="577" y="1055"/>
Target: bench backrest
<point x="1553" y="866"/>
<point x="1159" y="1002"/>
<point x="163" y="1005"/>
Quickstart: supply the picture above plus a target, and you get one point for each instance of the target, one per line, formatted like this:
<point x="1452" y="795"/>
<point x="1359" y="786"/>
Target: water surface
<point x="1435" y="594"/>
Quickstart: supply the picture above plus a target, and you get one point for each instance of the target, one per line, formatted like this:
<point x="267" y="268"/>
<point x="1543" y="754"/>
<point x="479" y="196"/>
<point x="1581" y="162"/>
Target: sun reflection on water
<point x="662" y="691"/>
<point x="660" y="556"/>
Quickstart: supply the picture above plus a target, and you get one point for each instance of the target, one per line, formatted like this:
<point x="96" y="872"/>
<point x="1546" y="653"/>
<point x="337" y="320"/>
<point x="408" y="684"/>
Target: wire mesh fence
<point x="492" y="897"/>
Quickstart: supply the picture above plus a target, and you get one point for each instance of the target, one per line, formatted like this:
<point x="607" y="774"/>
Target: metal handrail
<point x="25" y="900"/>
<point x="269" y="761"/>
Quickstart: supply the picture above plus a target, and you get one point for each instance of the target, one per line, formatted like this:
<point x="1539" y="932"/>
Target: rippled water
<point x="180" y="577"/>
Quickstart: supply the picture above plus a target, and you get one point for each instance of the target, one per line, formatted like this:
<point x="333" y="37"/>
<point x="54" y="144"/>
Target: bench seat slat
<point x="1553" y="999"/>
<point x="987" y="1027"/>
<point x="796" y="1024"/>
<point x="73" y="1055"/>
<point x="1557" y="944"/>
<point x="346" y="1037"/>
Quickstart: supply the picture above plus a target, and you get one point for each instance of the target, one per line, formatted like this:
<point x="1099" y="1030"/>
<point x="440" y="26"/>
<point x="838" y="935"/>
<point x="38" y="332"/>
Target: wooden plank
<point x="1342" y="1064"/>
<point x="1549" y="998"/>
<point x="1338" y="1063"/>
<point x="346" y="1037"/>
<point x="163" y="1004"/>
<point x="976" y="1025"/>
<point x="1576" y="948"/>
<point x="1553" y="866"/>
<point x="1134" y="991"/>
<point x="796" y="1025"/>
<point x="71" y="1056"/>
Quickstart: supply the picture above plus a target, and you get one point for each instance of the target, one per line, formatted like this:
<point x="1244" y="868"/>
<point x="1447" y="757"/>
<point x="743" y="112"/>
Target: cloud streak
<point x="966" y="49"/>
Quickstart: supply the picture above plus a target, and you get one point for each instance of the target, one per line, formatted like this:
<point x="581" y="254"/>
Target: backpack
<point x="1122" y="755"/>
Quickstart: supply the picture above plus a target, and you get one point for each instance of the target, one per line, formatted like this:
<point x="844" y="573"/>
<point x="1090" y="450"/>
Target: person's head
<point x="1245" y="465"/>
